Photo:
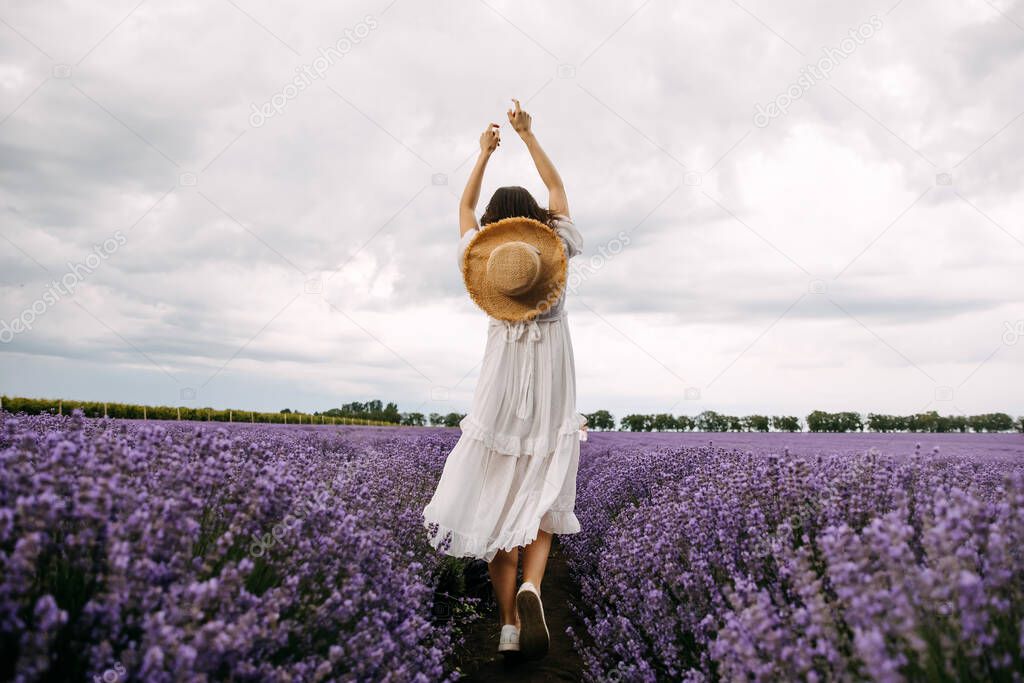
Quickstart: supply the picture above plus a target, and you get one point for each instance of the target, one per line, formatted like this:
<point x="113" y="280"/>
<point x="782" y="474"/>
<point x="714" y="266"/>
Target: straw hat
<point x="515" y="268"/>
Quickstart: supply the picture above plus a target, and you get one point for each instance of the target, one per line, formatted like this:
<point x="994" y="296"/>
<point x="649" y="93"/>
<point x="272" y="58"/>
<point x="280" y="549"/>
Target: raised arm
<point x="489" y="141"/>
<point x="521" y="123"/>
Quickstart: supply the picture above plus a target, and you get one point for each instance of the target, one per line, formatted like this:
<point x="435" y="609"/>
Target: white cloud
<point x="211" y="283"/>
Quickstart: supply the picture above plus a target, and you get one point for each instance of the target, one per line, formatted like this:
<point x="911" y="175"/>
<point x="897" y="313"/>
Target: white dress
<point x="513" y="470"/>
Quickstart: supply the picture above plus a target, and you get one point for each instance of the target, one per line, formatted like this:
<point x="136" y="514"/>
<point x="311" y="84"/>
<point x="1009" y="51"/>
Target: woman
<point x="510" y="481"/>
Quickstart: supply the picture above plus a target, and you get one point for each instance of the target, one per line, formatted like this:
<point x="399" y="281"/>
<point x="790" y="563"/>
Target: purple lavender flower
<point x="743" y="563"/>
<point x="130" y="542"/>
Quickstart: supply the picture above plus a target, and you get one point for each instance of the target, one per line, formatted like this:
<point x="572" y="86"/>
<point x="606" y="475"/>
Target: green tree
<point x="390" y="413"/>
<point x="820" y="421"/>
<point x="991" y="422"/>
<point x="923" y="422"/>
<point x="600" y="420"/>
<point x="786" y="423"/>
<point x="710" y="421"/>
<point x="636" y="423"/>
<point x="663" y="422"/>
<point x="413" y="419"/>
<point x="756" y="423"/>
<point x="1001" y="422"/>
<point x="881" y="423"/>
<point x="850" y="422"/>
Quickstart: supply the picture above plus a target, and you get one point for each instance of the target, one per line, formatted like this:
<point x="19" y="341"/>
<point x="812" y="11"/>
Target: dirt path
<point x="483" y="663"/>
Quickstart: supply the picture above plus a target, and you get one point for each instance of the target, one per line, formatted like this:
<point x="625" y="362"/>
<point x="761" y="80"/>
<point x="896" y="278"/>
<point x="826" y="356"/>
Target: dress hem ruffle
<point x="560" y="522"/>
<point x="515" y="446"/>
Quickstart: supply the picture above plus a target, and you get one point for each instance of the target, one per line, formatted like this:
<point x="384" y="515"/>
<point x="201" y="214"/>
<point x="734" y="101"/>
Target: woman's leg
<point x="503" y="577"/>
<point x="535" y="558"/>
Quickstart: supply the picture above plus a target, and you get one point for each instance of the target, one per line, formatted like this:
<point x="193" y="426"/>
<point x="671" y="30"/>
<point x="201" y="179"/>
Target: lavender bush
<point x="182" y="551"/>
<point x="174" y="552"/>
<point x="702" y="564"/>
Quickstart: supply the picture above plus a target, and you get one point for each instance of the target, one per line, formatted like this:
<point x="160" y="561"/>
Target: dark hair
<point x="514" y="201"/>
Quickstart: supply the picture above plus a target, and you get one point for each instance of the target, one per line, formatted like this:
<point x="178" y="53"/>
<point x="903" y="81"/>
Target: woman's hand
<point x="490" y="139"/>
<point x="519" y="119"/>
<point x="521" y="122"/>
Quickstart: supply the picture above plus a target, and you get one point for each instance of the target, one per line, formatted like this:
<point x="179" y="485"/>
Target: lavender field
<point x="181" y="551"/>
<point x="705" y="563"/>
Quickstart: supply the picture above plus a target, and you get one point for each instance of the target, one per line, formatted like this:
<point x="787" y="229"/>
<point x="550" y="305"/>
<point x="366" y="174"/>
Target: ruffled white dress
<point x="513" y="470"/>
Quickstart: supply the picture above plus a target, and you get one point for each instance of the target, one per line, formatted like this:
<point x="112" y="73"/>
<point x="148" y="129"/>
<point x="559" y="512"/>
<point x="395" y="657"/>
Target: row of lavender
<point x="171" y="552"/>
<point x="700" y="563"/>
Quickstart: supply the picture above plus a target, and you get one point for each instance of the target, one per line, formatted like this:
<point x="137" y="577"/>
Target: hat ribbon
<point x="513" y="332"/>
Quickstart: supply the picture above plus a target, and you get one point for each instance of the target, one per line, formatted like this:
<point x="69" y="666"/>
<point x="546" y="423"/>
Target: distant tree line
<point x="376" y="410"/>
<point x="373" y="412"/>
<point x="370" y="410"/>
<point x="820" y="421"/>
<point x="389" y="413"/>
<point x="933" y="422"/>
<point x="449" y="420"/>
<point x="131" y="411"/>
<point x="817" y="421"/>
<point x="378" y="413"/>
<point x="707" y="421"/>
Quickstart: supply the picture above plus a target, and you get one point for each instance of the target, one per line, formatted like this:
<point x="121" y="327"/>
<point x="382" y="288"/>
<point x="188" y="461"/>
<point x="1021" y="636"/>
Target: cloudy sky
<point x="822" y="200"/>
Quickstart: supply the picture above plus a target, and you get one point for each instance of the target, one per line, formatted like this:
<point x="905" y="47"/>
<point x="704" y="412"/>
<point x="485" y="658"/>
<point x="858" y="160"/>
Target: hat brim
<point x="539" y="298"/>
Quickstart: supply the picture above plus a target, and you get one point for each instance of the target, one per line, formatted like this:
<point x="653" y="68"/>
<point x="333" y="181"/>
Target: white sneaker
<point x="509" y="639"/>
<point x="534" y="638"/>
